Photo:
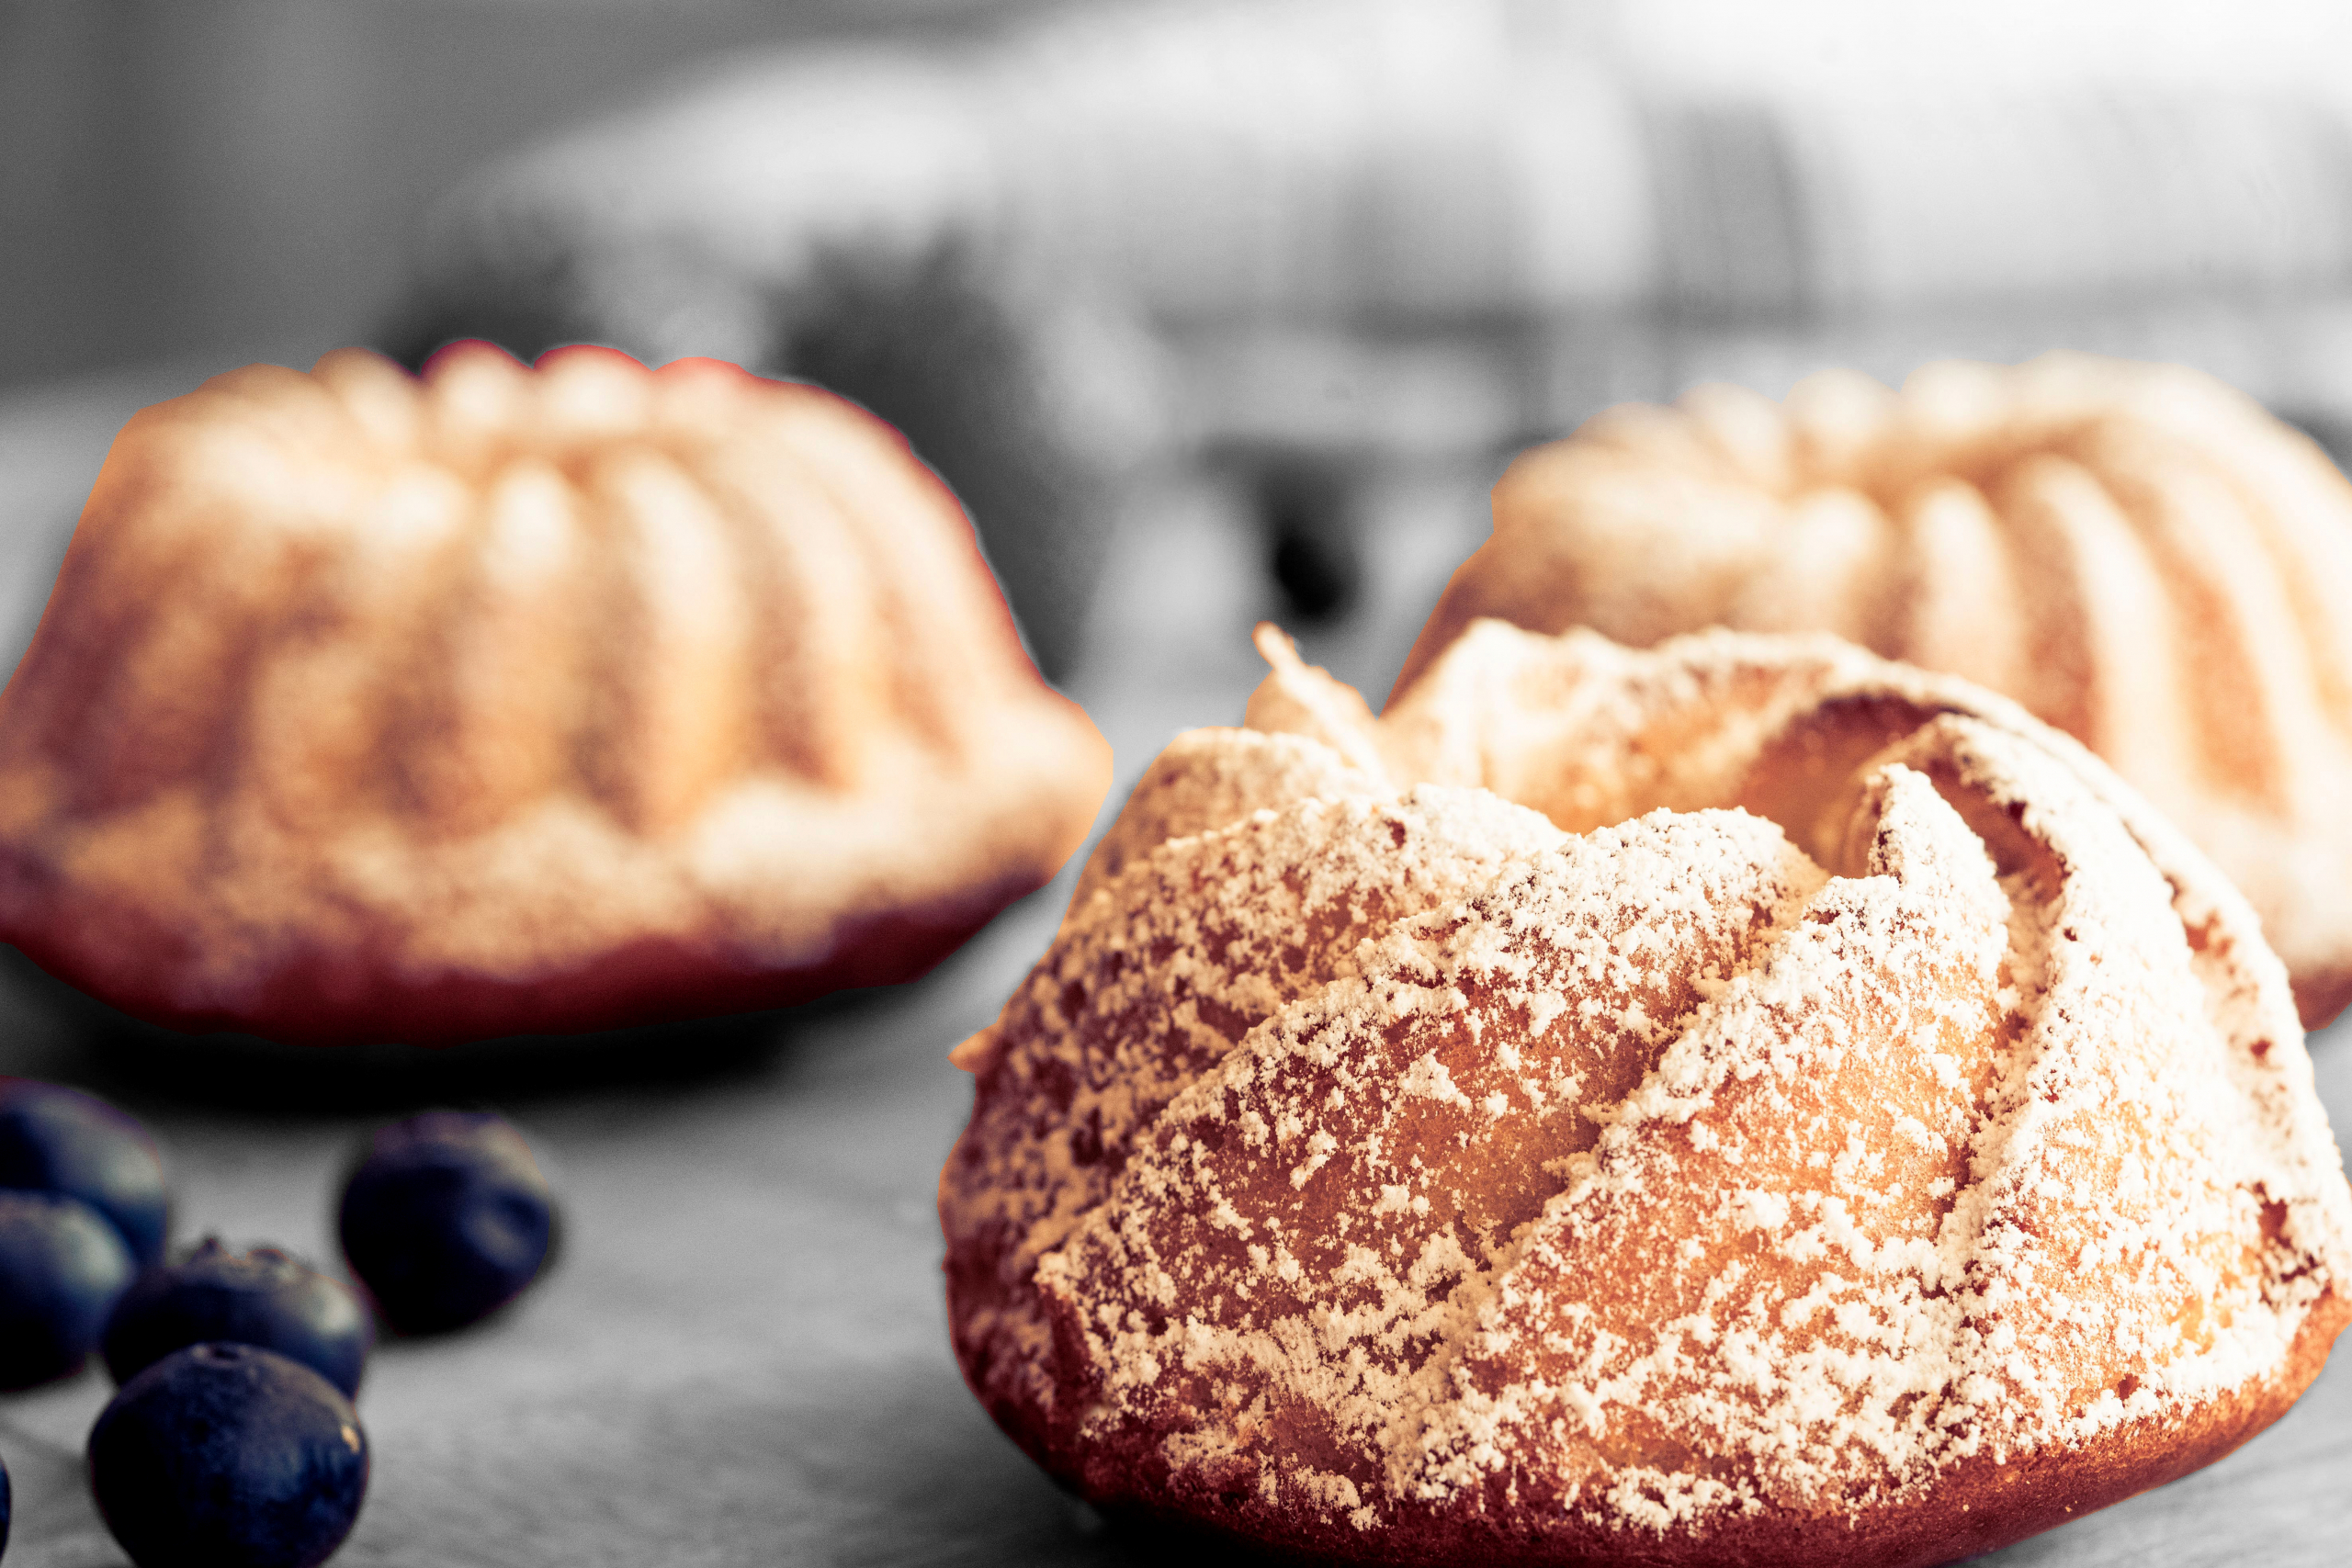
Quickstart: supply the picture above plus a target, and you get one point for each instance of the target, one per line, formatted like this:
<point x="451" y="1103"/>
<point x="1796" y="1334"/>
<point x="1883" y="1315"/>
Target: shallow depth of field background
<point x="1338" y="260"/>
<point x="245" y="179"/>
<point x="1210" y="311"/>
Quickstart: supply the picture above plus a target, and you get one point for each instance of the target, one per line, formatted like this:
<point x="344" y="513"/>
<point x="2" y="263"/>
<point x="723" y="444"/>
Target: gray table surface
<point x="740" y="1356"/>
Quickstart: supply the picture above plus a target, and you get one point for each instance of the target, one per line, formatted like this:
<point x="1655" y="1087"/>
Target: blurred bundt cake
<point x="509" y="700"/>
<point x="2139" y="554"/>
<point x="1036" y="411"/>
<point x="1745" y="1101"/>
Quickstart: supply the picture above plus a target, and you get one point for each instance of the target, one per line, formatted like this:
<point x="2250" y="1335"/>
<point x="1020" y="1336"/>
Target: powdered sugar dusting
<point x="2141" y="556"/>
<point x="359" y="684"/>
<point x="1702" y="1166"/>
<point x="1157" y="974"/>
<point x="1207" y="778"/>
<point x="1234" y="1254"/>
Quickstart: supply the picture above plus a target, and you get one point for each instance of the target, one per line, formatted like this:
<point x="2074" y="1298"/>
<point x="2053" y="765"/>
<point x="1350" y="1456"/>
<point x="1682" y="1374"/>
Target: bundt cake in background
<point x="1036" y="412"/>
<point x="1744" y="1101"/>
<point x="1358" y="241"/>
<point x="2136" y="553"/>
<point x="519" y="701"/>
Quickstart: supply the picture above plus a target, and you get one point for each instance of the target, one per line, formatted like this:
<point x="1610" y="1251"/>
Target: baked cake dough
<point x="2138" y="554"/>
<point x="1744" y="1101"/>
<point x="506" y="700"/>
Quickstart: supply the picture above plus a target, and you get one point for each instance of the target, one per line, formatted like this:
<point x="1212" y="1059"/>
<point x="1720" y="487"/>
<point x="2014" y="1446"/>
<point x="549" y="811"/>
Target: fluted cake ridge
<point x="1740" y="1101"/>
<point x="478" y="679"/>
<point x="2138" y="554"/>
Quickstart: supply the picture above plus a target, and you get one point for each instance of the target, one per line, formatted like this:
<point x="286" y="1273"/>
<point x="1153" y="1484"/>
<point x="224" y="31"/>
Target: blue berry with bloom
<point x="228" y="1454"/>
<point x="55" y="1139"/>
<point x="262" y="1297"/>
<point x="62" y="1268"/>
<point x="446" y="1219"/>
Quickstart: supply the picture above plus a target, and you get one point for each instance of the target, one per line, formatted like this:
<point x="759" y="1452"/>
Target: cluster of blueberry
<point x="232" y="1438"/>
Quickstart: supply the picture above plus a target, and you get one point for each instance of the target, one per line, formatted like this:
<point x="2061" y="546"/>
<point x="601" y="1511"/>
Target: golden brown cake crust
<point x="1978" y="1506"/>
<point x="1871" y="1135"/>
<point x="2321" y="995"/>
<point x="504" y="699"/>
<point x="2139" y="554"/>
<point x="124" y="956"/>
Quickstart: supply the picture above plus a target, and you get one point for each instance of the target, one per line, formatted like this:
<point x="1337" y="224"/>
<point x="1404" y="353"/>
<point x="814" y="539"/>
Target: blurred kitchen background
<point x="1208" y="310"/>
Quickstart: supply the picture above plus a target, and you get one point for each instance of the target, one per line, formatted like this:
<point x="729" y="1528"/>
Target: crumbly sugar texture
<point x="508" y="699"/>
<point x="2141" y="555"/>
<point x="1741" y="1101"/>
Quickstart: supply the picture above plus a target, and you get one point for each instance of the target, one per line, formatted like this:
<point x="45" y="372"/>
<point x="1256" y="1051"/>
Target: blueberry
<point x="7" y="1506"/>
<point x="261" y="1297"/>
<point x="54" y="1139"/>
<point x="62" y="1269"/>
<point x="228" y="1454"/>
<point x="446" y="1219"/>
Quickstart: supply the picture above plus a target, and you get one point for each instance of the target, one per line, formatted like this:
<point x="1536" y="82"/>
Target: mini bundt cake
<point x="2139" y="554"/>
<point x="1740" y="1102"/>
<point x="508" y="700"/>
